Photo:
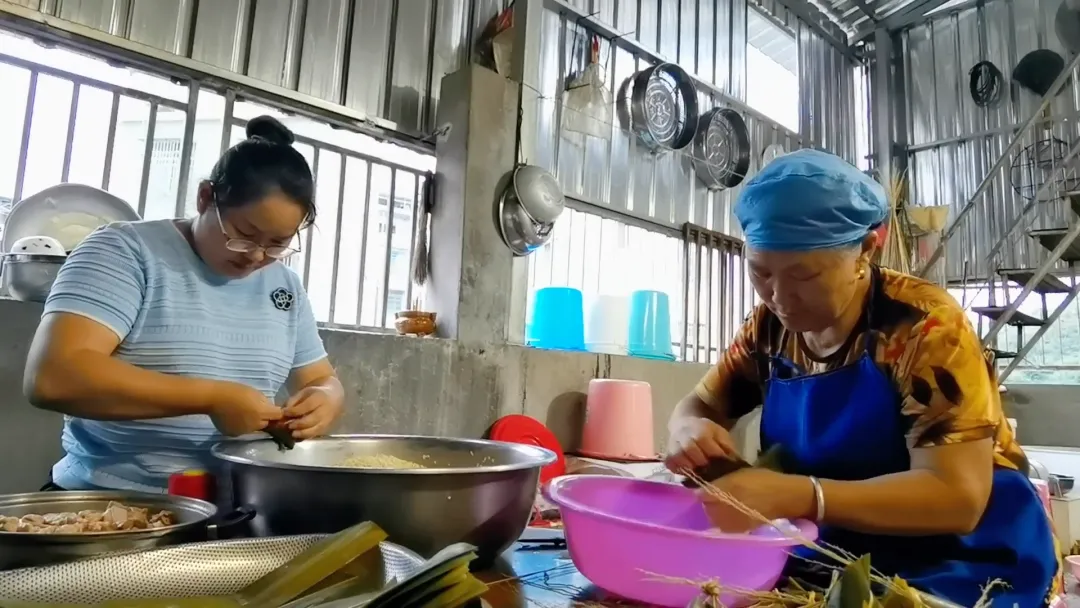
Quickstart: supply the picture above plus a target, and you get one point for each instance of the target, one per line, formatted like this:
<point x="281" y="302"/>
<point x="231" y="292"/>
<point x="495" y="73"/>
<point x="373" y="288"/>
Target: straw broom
<point x="894" y="253"/>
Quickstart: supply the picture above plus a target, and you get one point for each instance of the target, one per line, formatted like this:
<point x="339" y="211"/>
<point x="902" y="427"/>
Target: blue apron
<point x="846" y="424"/>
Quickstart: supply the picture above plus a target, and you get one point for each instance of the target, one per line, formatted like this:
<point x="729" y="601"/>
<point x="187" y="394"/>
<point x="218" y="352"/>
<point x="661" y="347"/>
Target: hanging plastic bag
<point x="587" y="104"/>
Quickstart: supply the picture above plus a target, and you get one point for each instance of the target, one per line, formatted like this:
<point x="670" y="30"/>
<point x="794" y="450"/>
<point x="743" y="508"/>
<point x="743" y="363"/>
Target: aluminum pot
<point x="28" y="277"/>
<point x="538" y="193"/>
<point x="474" y="491"/>
<point x="21" y="549"/>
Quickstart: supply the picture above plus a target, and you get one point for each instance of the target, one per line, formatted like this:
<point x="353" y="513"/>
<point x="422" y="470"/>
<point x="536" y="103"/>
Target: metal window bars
<point x="1061" y="243"/>
<point x="717" y="298"/>
<point x="702" y="271"/>
<point x="154" y="149"/>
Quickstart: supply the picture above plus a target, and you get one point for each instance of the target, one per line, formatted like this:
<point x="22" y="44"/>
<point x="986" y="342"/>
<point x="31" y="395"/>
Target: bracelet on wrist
<point x="819" y="500"/>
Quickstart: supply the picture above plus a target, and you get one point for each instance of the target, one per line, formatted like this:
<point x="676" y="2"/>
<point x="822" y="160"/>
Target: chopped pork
<point x="115" y="518"/>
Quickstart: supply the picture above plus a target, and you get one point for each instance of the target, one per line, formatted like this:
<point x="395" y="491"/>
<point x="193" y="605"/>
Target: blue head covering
<point x="809" y="200"/>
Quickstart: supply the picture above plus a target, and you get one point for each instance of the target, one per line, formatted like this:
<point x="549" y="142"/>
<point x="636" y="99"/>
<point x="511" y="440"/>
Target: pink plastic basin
<point x="622" y="533"/>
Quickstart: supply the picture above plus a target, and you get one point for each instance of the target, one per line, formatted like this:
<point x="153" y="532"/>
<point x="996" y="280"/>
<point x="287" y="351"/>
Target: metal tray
<point x="195" y="570"/>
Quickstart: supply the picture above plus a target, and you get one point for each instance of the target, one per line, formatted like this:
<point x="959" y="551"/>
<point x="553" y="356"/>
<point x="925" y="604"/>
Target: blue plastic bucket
<point x="558" y="319"/>
<point x="650" y="325"/>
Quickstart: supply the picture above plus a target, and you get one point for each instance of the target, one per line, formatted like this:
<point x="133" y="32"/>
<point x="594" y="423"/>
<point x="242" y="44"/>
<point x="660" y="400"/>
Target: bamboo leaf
<point x="901" y="595"/>
<point x="853" y="589"/>
<point x="772" y="459"/>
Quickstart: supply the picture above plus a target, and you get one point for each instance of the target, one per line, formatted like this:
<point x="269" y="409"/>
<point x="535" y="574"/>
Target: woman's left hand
<point x="310" y="412"/>
<point x="773" y="495"/>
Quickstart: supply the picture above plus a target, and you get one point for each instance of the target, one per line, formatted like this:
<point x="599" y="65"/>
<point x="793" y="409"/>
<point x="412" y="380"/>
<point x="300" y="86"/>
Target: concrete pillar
<point x="471" y="268"/>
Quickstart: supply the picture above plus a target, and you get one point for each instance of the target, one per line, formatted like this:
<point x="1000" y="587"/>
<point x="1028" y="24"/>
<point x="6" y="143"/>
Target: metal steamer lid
<point x="721" y="154"/>
<point x="660" y="106"/>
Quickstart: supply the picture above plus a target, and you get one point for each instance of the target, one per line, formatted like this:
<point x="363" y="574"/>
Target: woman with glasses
<point x="159" y="337"/>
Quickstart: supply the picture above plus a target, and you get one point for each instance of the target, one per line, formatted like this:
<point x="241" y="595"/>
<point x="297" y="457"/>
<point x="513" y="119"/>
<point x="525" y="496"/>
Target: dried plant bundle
<point x="894" y="252"/>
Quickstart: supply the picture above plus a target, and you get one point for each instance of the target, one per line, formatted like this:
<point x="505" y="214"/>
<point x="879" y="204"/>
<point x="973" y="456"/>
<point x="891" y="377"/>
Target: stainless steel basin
<point x="474" y="491"/>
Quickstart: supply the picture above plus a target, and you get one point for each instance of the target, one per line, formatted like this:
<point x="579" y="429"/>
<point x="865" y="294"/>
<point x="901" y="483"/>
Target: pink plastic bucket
<point x="623" y="533"/>
<point x="618" y="421"/>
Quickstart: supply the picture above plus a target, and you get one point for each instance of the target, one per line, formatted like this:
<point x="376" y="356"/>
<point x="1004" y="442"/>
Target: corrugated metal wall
<point x="827" y="86"/>
<point x="954" y="142"/>
<point x="386" y="58"/>
<point x="708" y="39"/>
<point x="381" y="57"/>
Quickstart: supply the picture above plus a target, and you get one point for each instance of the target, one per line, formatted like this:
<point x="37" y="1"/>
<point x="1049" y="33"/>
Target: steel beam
<point x="901" y="19"/>
<point x="811" y="16"/>
<point x="866" y="10"/>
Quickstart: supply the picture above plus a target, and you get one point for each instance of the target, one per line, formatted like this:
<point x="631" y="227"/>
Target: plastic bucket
<point x="606" y="329"/>
<point x="618" y="421"/>
<point x="650" y="325"/>
<point x="557" y="319"/>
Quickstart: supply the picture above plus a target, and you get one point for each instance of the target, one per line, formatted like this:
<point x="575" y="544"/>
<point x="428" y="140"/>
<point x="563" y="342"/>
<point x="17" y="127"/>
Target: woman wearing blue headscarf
<point x="876" y="391"/>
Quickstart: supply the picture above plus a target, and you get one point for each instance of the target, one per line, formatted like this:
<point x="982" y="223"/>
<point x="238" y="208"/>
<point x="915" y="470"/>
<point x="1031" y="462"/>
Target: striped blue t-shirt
<point x="174" y="315"/>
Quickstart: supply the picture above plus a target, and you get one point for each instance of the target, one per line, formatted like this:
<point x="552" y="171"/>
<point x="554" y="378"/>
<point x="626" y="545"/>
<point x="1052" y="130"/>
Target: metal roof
<point x="772" y="40"/>
<point x="859" y="16"/>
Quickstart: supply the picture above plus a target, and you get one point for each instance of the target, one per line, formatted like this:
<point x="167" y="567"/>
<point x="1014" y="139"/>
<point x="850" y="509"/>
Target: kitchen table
<point x="540" y="576"/>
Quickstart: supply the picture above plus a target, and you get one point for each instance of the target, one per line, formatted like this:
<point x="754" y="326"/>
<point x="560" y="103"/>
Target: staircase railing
<point x="1035" y="277"/>
<point x="984" y="185"/>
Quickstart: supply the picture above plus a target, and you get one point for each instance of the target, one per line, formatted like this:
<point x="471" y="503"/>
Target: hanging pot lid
<point x="660" y="106"/>
<point x="1067" y="25"/>
<point x="538" y="193"/>
<point x="771" y="153"/>
<point x="721" y="149"/>
<point x="1038" y="70"/>
<point x="622" y="104"/>
<point x="518" y="231"/>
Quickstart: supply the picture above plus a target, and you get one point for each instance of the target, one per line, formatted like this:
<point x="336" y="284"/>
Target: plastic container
<point x="624" y="533"/>
<point x="618" y="421"/>
<point x="193" y="484"/>
<point x="526" y="430"/>
<point x="1042" y="489"/>
<point x="650" y="325"/>
<point x="607" y="328"/>
<point x="558" y="319"/>
<point x="1074" y="565"/>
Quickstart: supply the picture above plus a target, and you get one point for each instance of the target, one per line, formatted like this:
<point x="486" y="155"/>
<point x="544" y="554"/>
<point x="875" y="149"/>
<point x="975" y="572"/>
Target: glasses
<point x="235" y="245"/>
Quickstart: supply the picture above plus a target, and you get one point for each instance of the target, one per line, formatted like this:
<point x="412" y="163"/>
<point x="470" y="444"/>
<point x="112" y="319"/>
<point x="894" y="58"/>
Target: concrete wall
<point x="1046" y="415"/>
<point x="393" y="384"/>
<point x="442" y="387"/>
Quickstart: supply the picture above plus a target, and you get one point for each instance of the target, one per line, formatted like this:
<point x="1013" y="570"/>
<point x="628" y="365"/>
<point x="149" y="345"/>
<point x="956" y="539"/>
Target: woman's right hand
<point x="695" y="442"/>
<point x="237" y="409"/>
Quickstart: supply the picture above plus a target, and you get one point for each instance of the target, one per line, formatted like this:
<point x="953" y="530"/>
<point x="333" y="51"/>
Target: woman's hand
<point x="696" y="441"/>
<point x="311" y="412"/>
<point x="237" y="409"/>
<point x="773" y="495"/>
